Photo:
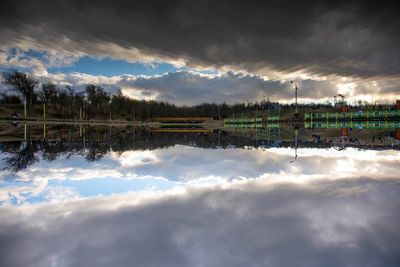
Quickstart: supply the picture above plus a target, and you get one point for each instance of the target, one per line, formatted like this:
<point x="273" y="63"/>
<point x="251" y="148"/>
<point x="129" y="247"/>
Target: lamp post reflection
<point x="296" y="137"/>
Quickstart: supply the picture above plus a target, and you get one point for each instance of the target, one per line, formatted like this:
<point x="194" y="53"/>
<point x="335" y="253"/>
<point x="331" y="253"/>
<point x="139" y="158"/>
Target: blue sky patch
<point x="109" y="186"/>
<point x="113" y="67"/>
<point x="96" y="66"/>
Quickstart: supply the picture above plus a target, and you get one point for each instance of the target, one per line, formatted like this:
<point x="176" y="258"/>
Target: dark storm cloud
<point x="345" y="38"/>
<point x="336" y="223"/>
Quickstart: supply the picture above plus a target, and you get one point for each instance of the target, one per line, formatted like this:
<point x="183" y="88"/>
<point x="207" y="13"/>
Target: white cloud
<point x="248" y="223"/>
<point x="182" y="166"/>
<point x="135" y="158"/>
<point x="191" y="87"/>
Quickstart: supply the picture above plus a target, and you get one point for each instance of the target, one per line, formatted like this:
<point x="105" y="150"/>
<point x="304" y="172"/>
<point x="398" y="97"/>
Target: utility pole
<point x="44" y="120"/>
<point x="296" y="136"/>
<point x="295" y="95"/>
<point x="109" y="105"/>
<point x="25" y="108"/>
<point x="44" y="111"/>
<point x="297" y="107"/>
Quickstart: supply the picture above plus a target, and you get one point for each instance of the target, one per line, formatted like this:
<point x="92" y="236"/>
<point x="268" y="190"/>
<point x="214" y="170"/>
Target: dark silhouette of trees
<point x="95" y="102"/>
<point x="24" y="157"/>
<point x="97" y="99"/>
<point x="99" y="142"/>
<point x="9" y="99"/>
<point x="23" y="84"/>
<point x="49" y="92"/>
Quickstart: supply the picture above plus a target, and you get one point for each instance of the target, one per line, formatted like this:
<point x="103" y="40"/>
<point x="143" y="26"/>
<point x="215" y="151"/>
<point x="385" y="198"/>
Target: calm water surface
<point x="122" y="196"/>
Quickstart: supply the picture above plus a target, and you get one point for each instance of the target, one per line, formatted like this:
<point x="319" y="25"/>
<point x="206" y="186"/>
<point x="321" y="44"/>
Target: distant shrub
<point x="9" y="99"/>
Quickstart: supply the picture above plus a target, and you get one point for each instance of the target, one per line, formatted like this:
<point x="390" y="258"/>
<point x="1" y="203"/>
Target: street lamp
<point x="295" y="87"/>
<point x="109" y="105"/>
<point x="25" y="108"/>
<point x="82" y="108"/>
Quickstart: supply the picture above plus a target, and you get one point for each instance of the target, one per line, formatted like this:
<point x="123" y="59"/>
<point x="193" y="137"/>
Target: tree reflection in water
<point x="96" y="142"/>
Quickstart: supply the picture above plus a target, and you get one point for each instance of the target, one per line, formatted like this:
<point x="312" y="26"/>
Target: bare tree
<point x="49" y="91"/>
<point x="21" y="83"/>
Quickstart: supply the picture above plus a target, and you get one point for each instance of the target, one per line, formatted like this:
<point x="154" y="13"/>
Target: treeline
<point x="95" y="102"/>
<point x="99" y="141"/>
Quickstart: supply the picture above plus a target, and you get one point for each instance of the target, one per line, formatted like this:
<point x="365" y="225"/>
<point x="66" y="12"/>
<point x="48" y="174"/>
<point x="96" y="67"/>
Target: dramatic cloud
<point x="346" y="223"/>
<point x="182" y="166"/>
<point x="35" y="61"/>
<point x="190" y="87"/>
<point x="347" y="38"/>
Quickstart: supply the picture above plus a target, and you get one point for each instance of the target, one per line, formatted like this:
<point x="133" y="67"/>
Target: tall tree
<point x="21" y="83"/>
<point x="49" y="91"/>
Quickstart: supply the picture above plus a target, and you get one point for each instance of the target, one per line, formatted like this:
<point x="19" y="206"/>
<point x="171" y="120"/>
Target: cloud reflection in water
<point x="182" y="166"/>
<point x="347" y="222"/>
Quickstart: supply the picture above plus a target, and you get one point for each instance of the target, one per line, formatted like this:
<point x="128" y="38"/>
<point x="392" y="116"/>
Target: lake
<point x="274" y="195"/>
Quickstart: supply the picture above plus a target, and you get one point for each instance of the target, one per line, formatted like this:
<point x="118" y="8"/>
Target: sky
<point x="191" y="206"/>
<point x="155" y="208"/>
<point x="179" y="166"/>
<point x="188" y="53"/>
